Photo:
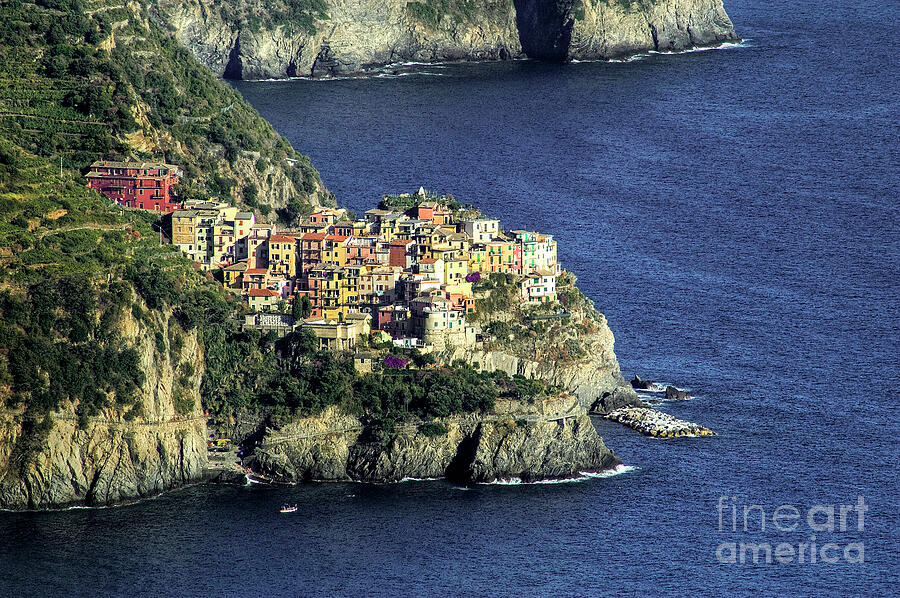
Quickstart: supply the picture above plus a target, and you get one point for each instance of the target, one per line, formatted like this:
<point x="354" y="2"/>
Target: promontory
<point x="255" y="39"/>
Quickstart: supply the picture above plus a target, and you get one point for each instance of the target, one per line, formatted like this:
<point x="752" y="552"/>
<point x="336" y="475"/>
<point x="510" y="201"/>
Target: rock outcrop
<point x="253" y="39"/>
<point x="111" y="459"/>
<point x="639" y="383"/>
<point x="546" y="440"/>
<point x="673" y="394"/>
<point x="575" y="353"/>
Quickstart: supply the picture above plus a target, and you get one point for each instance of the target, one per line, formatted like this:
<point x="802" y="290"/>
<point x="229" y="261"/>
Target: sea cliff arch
<point x="545" y="27"/>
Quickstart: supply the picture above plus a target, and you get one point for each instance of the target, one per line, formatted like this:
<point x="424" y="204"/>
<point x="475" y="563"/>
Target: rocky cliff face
<point x="254" y="39"/>
<point x="110" y="459"/>
<point x="549" y="440"/>
<point x="574" y="352"/>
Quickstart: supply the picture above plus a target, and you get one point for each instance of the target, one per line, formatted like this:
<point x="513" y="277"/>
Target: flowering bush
<point x="473" y="277"/>
<point x="395" y="363"/>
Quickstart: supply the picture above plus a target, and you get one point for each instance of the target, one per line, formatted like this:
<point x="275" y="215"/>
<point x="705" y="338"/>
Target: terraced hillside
<point x="81" y="79"/>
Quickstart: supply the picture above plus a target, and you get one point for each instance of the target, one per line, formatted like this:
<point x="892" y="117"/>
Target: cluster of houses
<point x="408" y="273"/>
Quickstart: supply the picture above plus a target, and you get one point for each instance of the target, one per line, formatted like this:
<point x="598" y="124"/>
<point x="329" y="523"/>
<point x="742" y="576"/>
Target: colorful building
<point x="283" y="255"/>
<point x="142" y="185"/>
<point x="263" y="299"/>
<point x="504" y="256"/>
<point x="539" y="287"/>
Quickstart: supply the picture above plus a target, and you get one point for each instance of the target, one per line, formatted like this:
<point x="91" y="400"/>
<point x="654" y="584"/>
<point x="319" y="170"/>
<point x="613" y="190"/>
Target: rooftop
<point x="139" y="165"/>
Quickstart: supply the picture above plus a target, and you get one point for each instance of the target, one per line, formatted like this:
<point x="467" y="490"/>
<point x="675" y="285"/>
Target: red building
<point x="400" y="253"/>
<point x="143" y="185"/>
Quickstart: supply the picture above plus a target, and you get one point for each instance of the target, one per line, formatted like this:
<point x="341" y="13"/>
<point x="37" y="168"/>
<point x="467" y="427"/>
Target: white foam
<point x="505" y="482"/>
<point x="617" y="470"/>
<point x="563" y="480"/>
<point x="408" y="479"/>
<point x="582" y="476"/>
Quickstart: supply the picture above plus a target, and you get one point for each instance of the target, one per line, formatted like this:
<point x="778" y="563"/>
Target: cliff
<point x="114" y="457"/>
<point x="253" y="39"/>
<point x="572" y="349"/>
<point x="546" y="440"/>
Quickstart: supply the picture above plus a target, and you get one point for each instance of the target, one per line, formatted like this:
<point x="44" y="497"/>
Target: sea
<point x="734" y="212"/>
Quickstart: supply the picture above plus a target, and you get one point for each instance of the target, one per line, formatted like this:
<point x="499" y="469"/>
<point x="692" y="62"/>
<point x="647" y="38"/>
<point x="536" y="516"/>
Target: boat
<point x="288" y="508"/>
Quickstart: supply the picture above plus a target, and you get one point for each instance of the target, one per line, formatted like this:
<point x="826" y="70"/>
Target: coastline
<point x="414" y="68"/>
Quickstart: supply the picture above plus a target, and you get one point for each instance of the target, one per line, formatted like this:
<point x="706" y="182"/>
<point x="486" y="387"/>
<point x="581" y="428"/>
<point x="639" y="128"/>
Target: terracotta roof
<point x="399" y="242"/>
<point x="427" y="261"/>
<point x="262" y="293"/>
<point x="338" y="238"/>
<point x="257" y="271"/>
<point x="314" y="236"/>
<point x="282" y="239"/>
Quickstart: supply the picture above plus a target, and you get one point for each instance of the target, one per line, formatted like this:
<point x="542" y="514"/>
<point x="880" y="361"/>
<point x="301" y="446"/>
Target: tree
<point x="301" y="308"/>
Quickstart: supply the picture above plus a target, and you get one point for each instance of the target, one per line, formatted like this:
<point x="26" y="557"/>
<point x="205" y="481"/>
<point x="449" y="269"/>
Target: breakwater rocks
<point x="553" y="439"/>
<point x="651" y="422"/>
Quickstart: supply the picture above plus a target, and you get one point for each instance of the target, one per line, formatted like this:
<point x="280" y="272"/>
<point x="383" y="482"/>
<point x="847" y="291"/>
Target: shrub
<point x="432" y="429"/>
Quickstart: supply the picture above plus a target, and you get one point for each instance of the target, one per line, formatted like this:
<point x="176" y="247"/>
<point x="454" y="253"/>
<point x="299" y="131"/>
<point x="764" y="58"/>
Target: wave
<point x="617" y="470"/>
<point x="582" y="476"/>
<point x="410" y="479"/>
<point x="407" y="74"/>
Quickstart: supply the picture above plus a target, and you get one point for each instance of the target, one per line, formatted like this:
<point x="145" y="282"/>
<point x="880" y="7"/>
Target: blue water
<point x="733" y="212"/>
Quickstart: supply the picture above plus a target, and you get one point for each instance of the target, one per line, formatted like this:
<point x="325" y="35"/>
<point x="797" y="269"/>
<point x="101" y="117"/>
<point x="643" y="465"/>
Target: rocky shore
<point x="253" y="39"/>
<point x="553" y="439"/>
<point x="651" y="422"/>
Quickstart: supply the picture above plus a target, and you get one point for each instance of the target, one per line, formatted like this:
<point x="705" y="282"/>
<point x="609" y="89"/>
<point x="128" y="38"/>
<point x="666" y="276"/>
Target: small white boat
<point x="288" y="509"/>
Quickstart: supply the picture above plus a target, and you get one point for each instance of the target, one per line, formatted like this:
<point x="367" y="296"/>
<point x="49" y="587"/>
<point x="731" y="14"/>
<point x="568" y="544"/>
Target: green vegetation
<point x="631" y="5"/>
<point x="69" y="94"/>
<point x="410" y="200"/>
<point x="61" y="343"/>
<point x="502" y="295"/>
<point x="452" y="13"/>
<point x="301" y="14"/>
<point x="432" y="429"/>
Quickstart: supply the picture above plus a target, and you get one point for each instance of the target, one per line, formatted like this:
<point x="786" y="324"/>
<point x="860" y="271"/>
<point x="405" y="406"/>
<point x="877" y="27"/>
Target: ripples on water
<point x="733" y="213"/>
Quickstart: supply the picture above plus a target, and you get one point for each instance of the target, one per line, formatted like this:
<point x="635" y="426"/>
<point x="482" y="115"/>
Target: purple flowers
<point x="395" y="363"/>
<point x="473" y="277"/>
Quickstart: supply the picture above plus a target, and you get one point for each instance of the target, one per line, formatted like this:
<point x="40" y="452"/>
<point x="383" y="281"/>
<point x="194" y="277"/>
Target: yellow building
<point x="478" y="261"/>
<point x="283" y="255"/>
<point x="233" y="275"/>
<point x="502" y="256"/>
<point x="334" y="291"/>
<point x="334" y="335"/>
<point x="455" y="271"/>
<point x="334" y="250"/>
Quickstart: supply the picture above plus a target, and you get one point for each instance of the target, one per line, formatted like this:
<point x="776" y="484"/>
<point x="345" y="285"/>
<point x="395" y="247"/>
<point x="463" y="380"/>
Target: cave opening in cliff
<point x="234" y="68"/>
<point x="545" y="27"/>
